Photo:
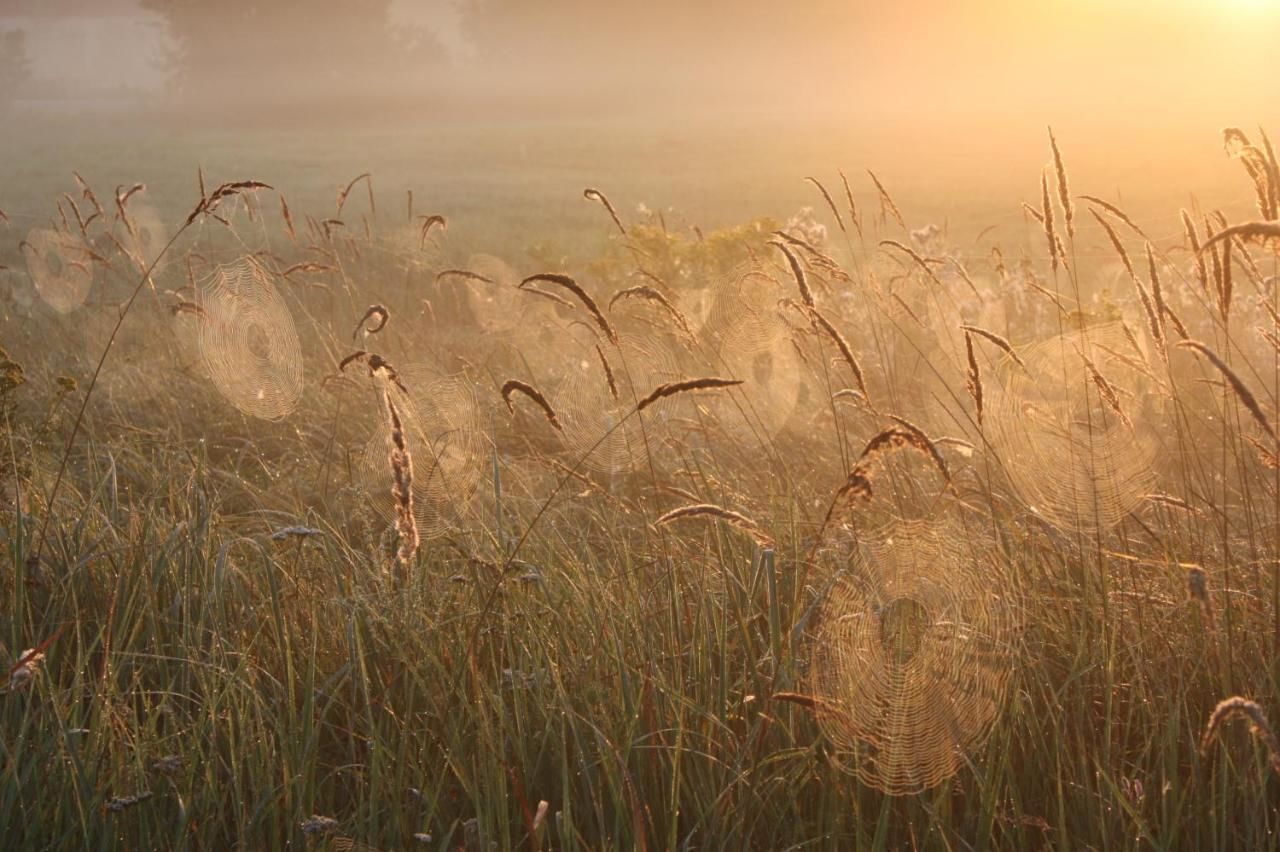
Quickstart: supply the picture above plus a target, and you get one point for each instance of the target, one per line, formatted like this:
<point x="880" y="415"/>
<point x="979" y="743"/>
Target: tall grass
<point x="241" y="648"/>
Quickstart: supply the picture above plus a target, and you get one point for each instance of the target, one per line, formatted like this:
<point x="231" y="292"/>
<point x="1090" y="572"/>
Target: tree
<point x="291" y="51"/>
<point x="15" y="65"/>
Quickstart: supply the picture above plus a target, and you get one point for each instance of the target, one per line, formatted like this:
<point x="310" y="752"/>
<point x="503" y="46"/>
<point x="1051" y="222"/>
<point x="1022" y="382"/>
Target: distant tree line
<point x="296" y="48"/>
<point x="289" y="49"/>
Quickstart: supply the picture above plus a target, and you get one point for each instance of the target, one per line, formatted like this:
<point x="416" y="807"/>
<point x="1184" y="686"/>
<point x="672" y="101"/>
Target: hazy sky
<point x="956" y="58"/>
<point x="942" y="81"/>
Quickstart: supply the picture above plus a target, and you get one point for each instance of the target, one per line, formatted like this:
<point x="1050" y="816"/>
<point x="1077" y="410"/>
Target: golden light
<point x="1253" y="5"/>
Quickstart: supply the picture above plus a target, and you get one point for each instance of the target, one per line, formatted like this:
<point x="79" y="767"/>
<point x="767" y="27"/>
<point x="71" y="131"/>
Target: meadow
<point x="412" y="496"/>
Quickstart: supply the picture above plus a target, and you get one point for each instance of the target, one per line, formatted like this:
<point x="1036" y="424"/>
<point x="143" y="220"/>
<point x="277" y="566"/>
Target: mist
<point x="735" y="99"/>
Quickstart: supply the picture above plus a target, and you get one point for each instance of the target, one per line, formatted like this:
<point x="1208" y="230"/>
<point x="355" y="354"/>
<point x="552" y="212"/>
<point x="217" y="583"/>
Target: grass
<point x="559" y="644"/>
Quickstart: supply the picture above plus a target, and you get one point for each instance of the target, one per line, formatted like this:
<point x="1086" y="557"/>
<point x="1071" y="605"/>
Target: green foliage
<point x="683" y="259"/>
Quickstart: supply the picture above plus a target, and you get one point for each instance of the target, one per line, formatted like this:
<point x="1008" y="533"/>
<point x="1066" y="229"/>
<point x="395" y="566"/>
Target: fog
<point x="932" y="90"/>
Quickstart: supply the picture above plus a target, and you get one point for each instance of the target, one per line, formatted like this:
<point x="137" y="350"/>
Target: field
<point x="532" y="487"/>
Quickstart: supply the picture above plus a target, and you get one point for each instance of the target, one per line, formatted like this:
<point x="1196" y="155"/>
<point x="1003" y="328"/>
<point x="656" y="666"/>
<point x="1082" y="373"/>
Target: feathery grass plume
<point x="1064" y="190"/>
<point x="208" y="205"/>
<point x="1062" y="253"/>
<point x="1046" y="209"/>
<point x="401" y="460"/>
<point x="1116" y="212"/>
<point x="1216" y="263"/>
<point x="830" y="204"/>
<point x="1225" y="285"/>
<point x="375" y="364"/>
<point x="1033" y="213"/>
<point x="1269" y="459"/>
<point x="802" y="281"/>
<point x="1197" y="587"/>
<point x="573" y="287"/>
<point x="799" y="242"/>
<point x="973" y="382"/>
<point x="1197" y="250"/>
<point x="596" y="195"/>
<point x="62" y="214"/>
<point x="672" y="388"/>
<point x="427" y="223"/>
<point x="1163" y="310"/>
<point x="858" y="484"/>
<point x="399" y="454"/>
<point x="1154" y="325"/>
<point x="1252" y="272"/>
<point x="915" y="256"/>
<point x="644" y="291"/>
<point x="1157" y="297"/>
<point x="344" y="192"/>
<point x="463" y="273"/>
<point x="552" y="297"/>
<point x="1273" y="170"/>
<point x="1238" y="386"/>
<point x="853" y="207"/>
<point x="1260" y="231"/>
<point x="71" y="202"/>
<point x="845" y="351"/>
<point x="1256" y="165"/>
<point x="710" y="510"/>
<point x="799" y="699"/>
<point x="886" y="202"/>
<point x="513" y="385"/>
<point x="1004" y="345"/>
<point x="1106" y="390"/>
<point x="307" y="266"/>
<point x="379" y="311"/>
<point x="1154" y="322"/>
<point x="1132" y="340"/>
<point x="825" y="262"/>
<point x="1238" y="707"/>
<point x="964" y="275"/>
<point x="922" y="442"/>
<point x="122" y="200"/>
<point x="608" y="373"/>
<point x="87" y="193"/>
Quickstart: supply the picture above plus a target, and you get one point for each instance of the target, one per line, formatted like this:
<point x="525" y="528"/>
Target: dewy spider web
<point x="248" y="341"/>
<point x="143" y="238"/>
<point x="586" y="404"/>
<point x="912" y="652"/>
<point x="61" y="268"/>
<point x="446" y="438"/>
<point x="1072" y="457"/>
<point x="745" y="337"/>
